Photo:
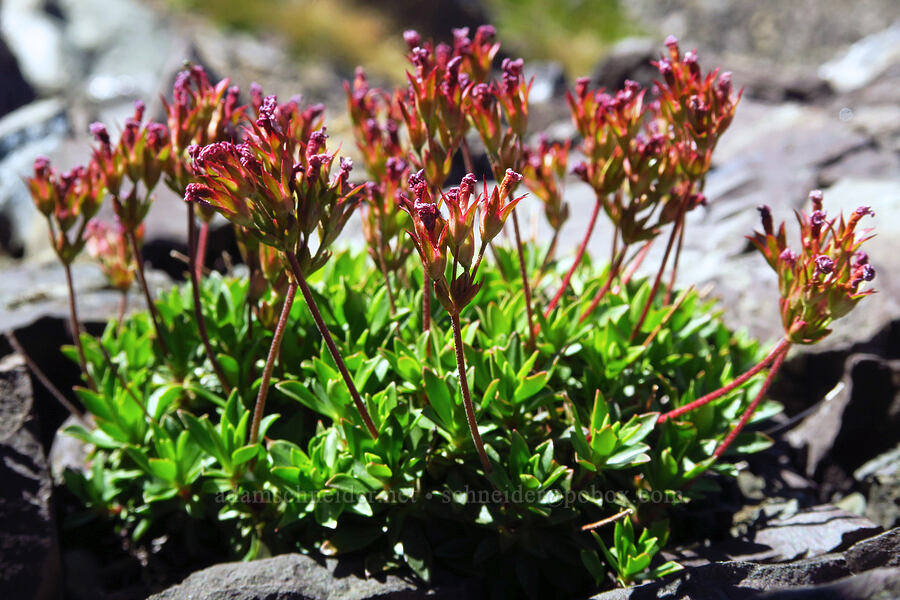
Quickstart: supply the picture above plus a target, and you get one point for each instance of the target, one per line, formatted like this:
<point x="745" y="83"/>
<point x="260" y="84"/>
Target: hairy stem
<point x="610" y="277"/>
<point x="637" y="326"/>
<point x="578" y="256"/>
<point x="671" y="285"/>
<point x="200" y="255"/>
<point x="332" y="348"/>
<point x="745" y="418"/>
<point x="467" y="398"/>
<point x="198" y="307"/>
<point x="780" y="349"/>
<point x="526" y="287"/>
<point x="270" y="362"/>
<point x="151" y="306"/>
<point x="76" y="328"/>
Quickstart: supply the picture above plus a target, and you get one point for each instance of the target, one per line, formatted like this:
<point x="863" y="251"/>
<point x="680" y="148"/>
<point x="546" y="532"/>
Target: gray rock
<point x="880" y="477"/>
<point x="628" y="59"/>
<point x="877" y="584"/>
<point x="863" y="61"/>
<point x="879" y="551"/>
<point x="39" y="44"/>
<point x="864" y="405"/>
<point x="32" y="130"/>
<point x="29" y="551"/>
<point x="289" y="577"/>
<point x="14" y="90"/>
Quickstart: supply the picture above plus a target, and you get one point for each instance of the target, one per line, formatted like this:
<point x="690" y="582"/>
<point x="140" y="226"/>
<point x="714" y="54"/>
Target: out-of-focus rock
<point x="29" y="550"/>
<point x="864" y="61"/>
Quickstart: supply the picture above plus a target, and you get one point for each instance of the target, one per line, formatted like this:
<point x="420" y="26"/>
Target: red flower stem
<point x="151" y="306"/>
<point x="578" y="256"/>
<point x="464" y="387"/>
<point x="745" y="418"/>
<point x="526" y="287"/>
<point x="671" y="285"/>
<point x="467" y="156"/>
<point x="200" y="259"/>
<point x="779" y="349"/>
<point x="270" y="362"/>
<point x="332" y="348"/>
<point x="76" y="328"/>
<point x="198" y="307"/>
<point x="636" y="262"/>
<point x="611" y="276"/>
<point x="662" y="267"/>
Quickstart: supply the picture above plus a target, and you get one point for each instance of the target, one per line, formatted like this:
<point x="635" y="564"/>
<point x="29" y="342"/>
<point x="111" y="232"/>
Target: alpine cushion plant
<point x="496" y="443"/>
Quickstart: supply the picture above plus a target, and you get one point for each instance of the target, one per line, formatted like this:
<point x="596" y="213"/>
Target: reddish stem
<point x="671" y="285"/>
<point x="745" y="418"/>
<point x="76" y="328"/>
<point x="151" y="306"/>
<point x="656" y="281"/>
<point x="426" y="303"/>
<point x="332" y="347"/>
<point x="578" y="256"/>
<point x="613" y="271"/>
<point x="779" y="349"/>
<point x="200" y="260"/>
<point x="467" y="398"/>
<point x="270" y="362"/>
<point x="526" y="287"/>
<point x="194" y="270"/>
<point x="636" y="262"/>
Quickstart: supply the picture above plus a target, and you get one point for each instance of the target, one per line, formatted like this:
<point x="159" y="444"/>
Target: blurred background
<point x="821" y="105"/>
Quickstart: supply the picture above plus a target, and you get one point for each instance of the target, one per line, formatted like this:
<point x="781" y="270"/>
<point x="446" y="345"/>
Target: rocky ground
<point x="821" y="109"/>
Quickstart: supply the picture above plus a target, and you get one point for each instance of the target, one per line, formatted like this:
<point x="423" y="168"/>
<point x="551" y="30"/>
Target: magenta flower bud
<point x="816" y="197"/>
<point x="139" y="108"/>
<point x="868" y="272"/>
<point x="157" y="136"/>
<point x="864" y="210"/>
<point x="416" y="179"/>
<point x="217" y="152"/>
<point x="467" y="185"/>
<point x="428" y="213"/>
<point x="267" y="111"/>
<point x="41" y="167"/>
<point x="581" y="171"/>
<point x="196" y="192"/>
<point x="765" y="214"/>
<point x="98" y="130"/>
<point x="394" y="168"/>
<point x="248" y="158"/>
<point x="861" y="258"/>
<point x="512" y="176"/>
<point x="824" y="264"/>
<point x="193" y="151"/>
<point x="817" y="219"/>
<point x="485" y="33"/>
<point x="256" y="94"/>
<point x="671" y="42"/>
<point x="665" y="69"/>
<point x="420" y="57"/>
<point x="581" y="86"/>
<point x="724" y="84"/>
<point x="788" y="257"/>
<point x="412" y="38"/>
<point x="316" y="142"/>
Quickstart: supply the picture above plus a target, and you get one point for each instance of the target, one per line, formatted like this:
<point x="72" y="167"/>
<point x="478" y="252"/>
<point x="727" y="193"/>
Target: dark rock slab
<point x="864" y="406"/>
<point x="877" y="584"/>
<point x="293" y="577"/>
<point x="29" y="552"/>
<point x="880" y="478"/>
<point x="734" y="580"/>
<point x="880" y="551"/>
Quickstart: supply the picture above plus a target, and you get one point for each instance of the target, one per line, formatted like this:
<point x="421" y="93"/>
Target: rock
<point x="32" y="130"/>
<point x="291" y="577"/>
<point x="863" y="61"/>
<point x="628" y="59"/>
<point x="14" y="90"/>
<point x="37" y="40"/>
<point x="549" y="81"/>
<point x="879" y="551"/>
<point x="859" y="572"/>
<point x="864" y="405"/>
<point x="877" y="584"/>
<point x="29" y="551"/>
<point x="867" y="163"/>
<point x="734" y="580"/>
<point x="880" y="477"/>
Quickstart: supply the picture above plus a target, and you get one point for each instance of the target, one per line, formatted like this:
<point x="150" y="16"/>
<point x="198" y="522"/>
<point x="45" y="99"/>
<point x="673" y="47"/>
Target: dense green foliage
<point x="570" y="428"/>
